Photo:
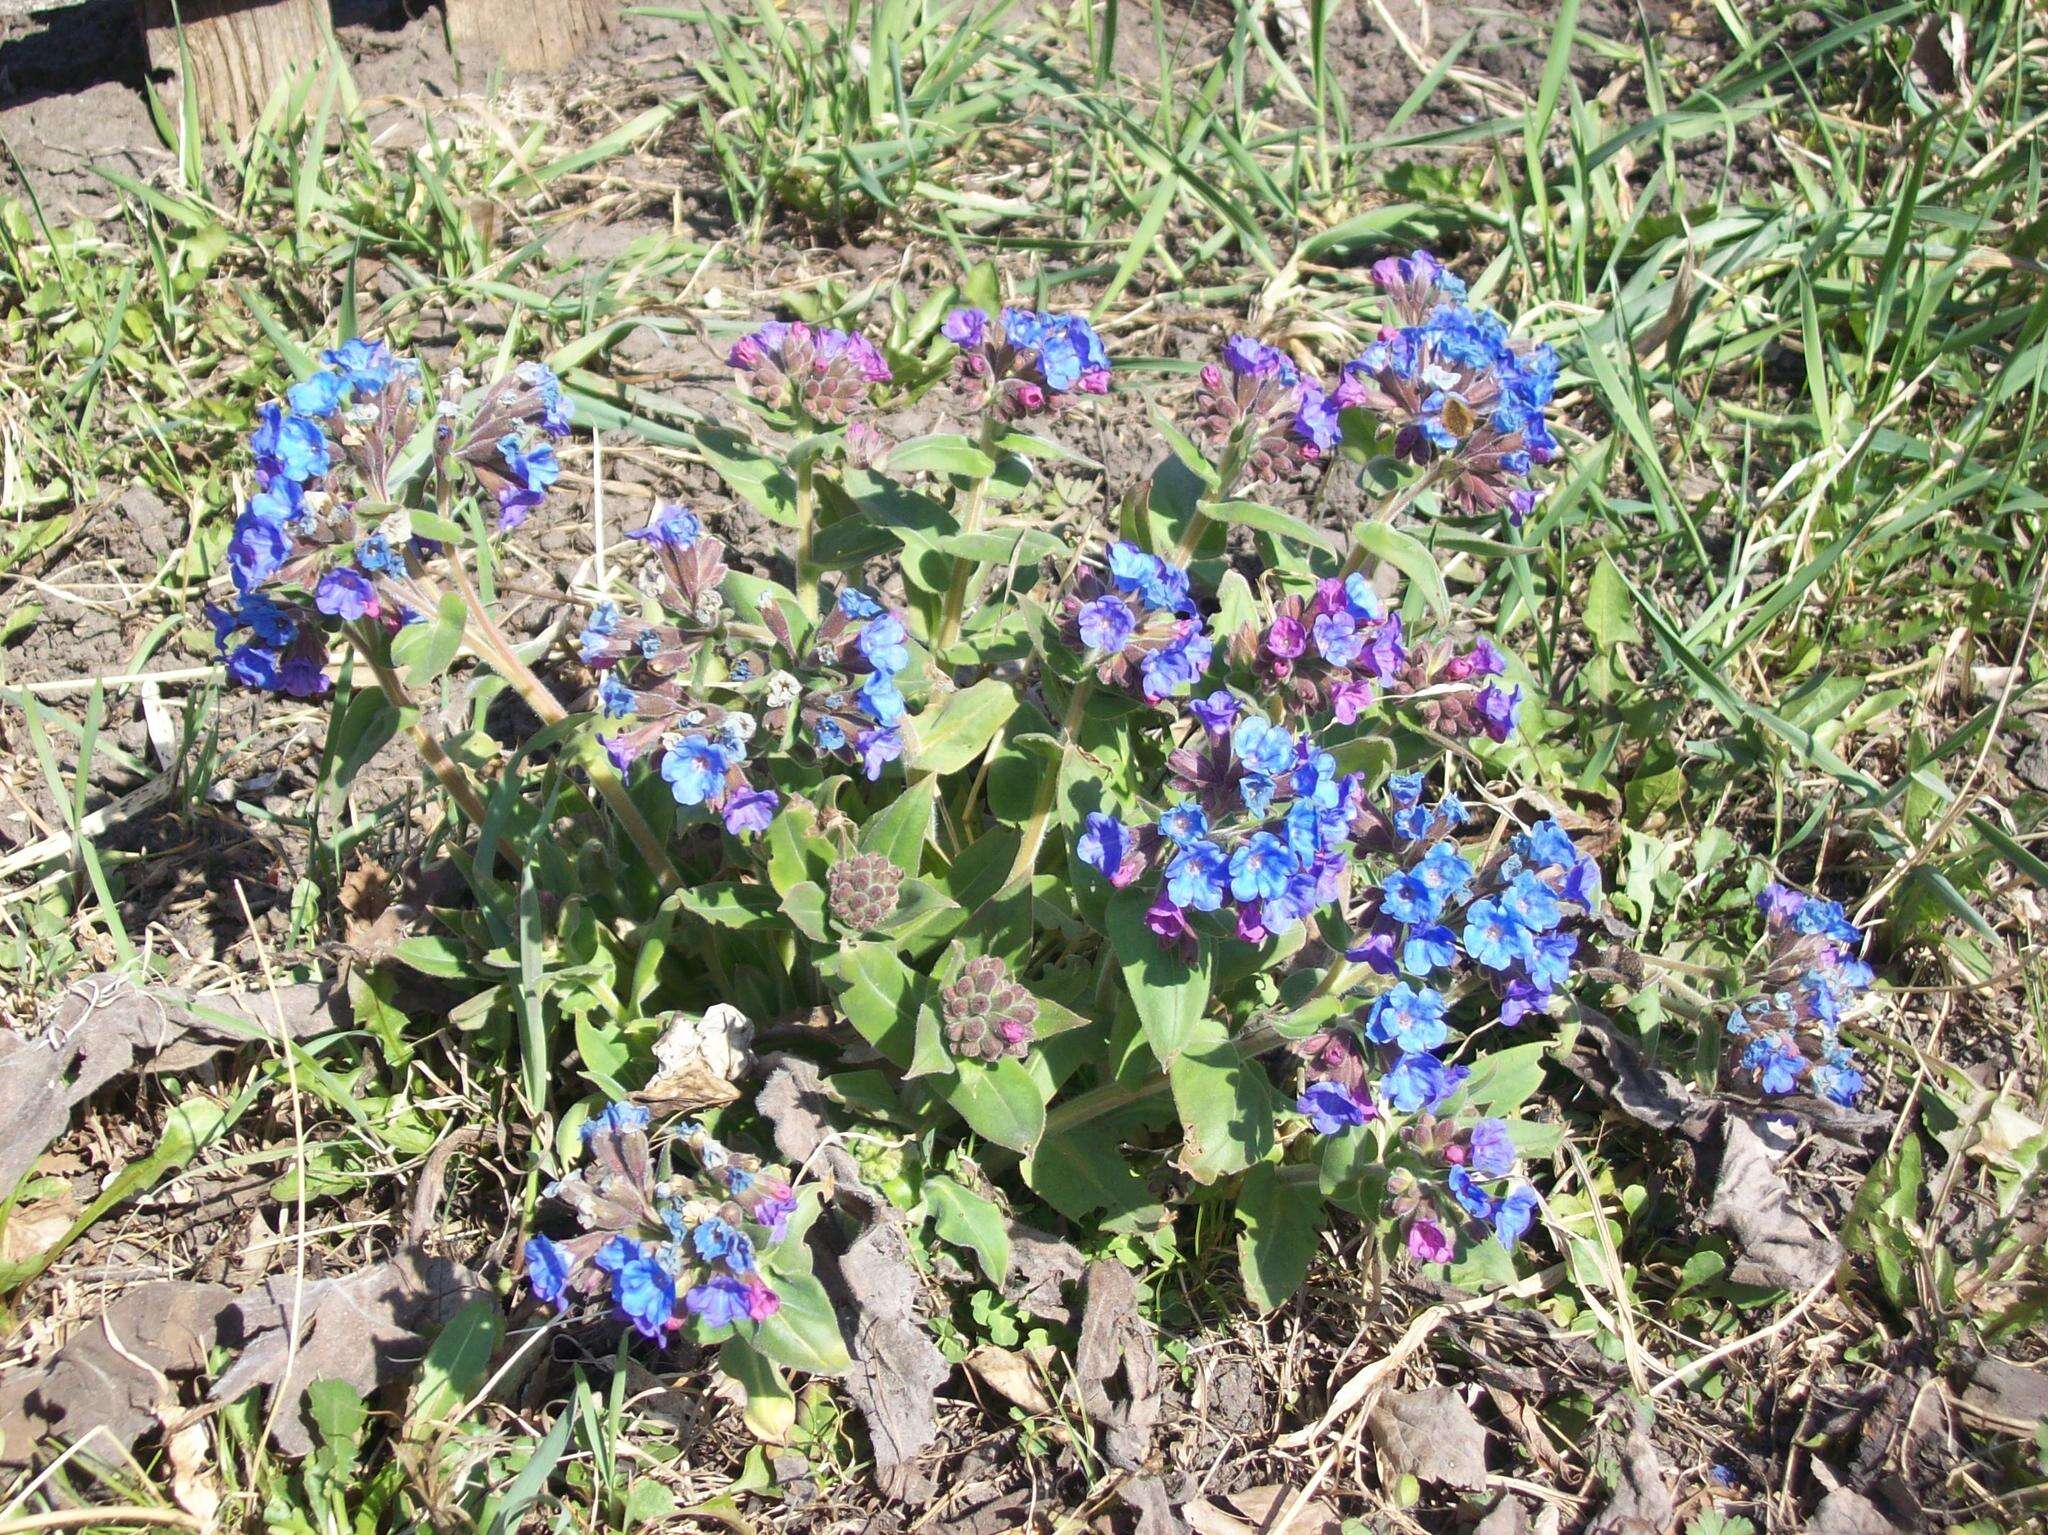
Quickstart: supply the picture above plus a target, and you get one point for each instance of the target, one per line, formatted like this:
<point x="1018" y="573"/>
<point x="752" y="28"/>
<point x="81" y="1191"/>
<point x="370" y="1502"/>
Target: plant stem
<point x="1048" y="790"/>
<point x="505" y="661"/>
<point x="806" y="531"/>
<point x="963" y="568"/>
<point x="445" y="768"/>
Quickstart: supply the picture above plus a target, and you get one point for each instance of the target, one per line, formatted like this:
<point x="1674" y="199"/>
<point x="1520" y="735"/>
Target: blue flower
<point x="1777" y="1060"/>
<point x="1103" y="844"/>
<point x="322" y="394"/>
<point x="257" y="550"/>
<point x="1184" y="824"/>
<point x="1406" y="897"/>
<point x="883" y="642"/>
<point x="878" y="748"/>
<point x="719" y="1301"/>
<point x="1476" y="1201"/>
<point x="1261" y="867"/>
<point x="288" y="444"/>
<point x="614" y="699"/>
<point x="1178" y="665"/>
<point x="617" y="1119"/>
<point x="253" y="666"/>
<point x="671" y="527"/>
<point x="367" y="366"/>
<point x="1550" y="960"/>
<point x="547" y="1271"/>
<point x="1131" y="567"/>
<point x="1516" y="1212"/>
<point x="533" y="469"/>
<point x="1419" y="1082"/>
<point x="1360" y="598"/>
<point x="1429" y="947"/>
<point x="1164" y="589"/>
<point x="1337" y="639"/>
<point x="881" y="698"/>
<point x="1492" y="1149"/>
<point x="1263" y="747"/>
<point x="1494" y="937"/>
<point x="714" y="1238"/>
<point x="1409" y="1019"/>
<point x="1532" y="903"/>
<point x="1197" y="876"/>
<point x="645" y="1294"/>
<point x="282" y="501"/>
<point x="829" y="734"/>
<point x="1444" y="870"/>
<point x="612" y="1258"/>
<point x="1107" y="624"/>
<point x="1257" y="791"/>
<point x="855" y="603"/>
<point x="695" y="767"/>
<point x="346" y="594"/>
<point x="1405" y="789"/>
<point x="1332" y="1107"/>
<point x="1837" y="1078"/>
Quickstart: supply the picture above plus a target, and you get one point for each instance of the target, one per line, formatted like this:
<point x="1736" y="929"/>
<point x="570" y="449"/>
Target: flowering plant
<point x="1155" y="853"/>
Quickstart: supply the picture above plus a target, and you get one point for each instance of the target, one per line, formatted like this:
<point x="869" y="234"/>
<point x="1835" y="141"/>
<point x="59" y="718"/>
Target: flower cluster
<point x="663" y="1250"/>
<point x="1460" y="393"/>
<point x="1274" y="417"/>
<point x="819" y="372"/>
<point x="1137" y="620"/>
<point x="853" y="708"/>
<point x="1812" y="979"/>
<point x="323" y="541"/>
<point x="1262" y="828"/>
<point x="1340" y="648"/>
<point x="1024" y="362"/>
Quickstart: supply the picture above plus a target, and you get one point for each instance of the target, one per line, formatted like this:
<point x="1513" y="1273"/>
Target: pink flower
<point x="1427" y="1241"/>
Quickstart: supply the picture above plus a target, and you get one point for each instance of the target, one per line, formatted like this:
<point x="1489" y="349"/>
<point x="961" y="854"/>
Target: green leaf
<point x="732" y="905"/>
<point x="970" y="1220"/>
<point x="1279" y="1214"/>
<point x="1270" y="519"/>
<point x="955" y="735"/>
<point x="881" y="999"/>
<point x="1169" y="993"/>
<point x="1503" y="1080"/>
<point x="771" y="1406"/>
<point x="504" y="1511"/>
<point x="426" y="650"/>
<point x="457" y="1363"/>
<point x="899" y="832"/>
<point x="1226" y="1104"/>
<point x="941" y="453"/>
<point x="1080" y="1174"/>
<point x="1610" y="615"/>
<point x="1000" y="1102"/>
<point x="804" y="1332"/>
<point x="1409" y="555"/>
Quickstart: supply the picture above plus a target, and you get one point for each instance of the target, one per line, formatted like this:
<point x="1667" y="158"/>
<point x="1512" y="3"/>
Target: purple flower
<point x="346" y="594"/>
<point x="1104" y="844"/>
<point x="720" y="1301"/>
<point x="257" y="550"/>
<point x="1499" y="711"/>
<point x="877" y="748"/>
<point x="1428" y="1242"/>
<point x="750" y="810"/>
<point x="1179" y="664"/>
<point x="1491" y="1151"/>
<point x="965" y="327"/>
<point x="1107" y="624"/>
<point x="1217" y="712"/>
<point x="671" y="527"/>
<point x="1286" y="638"/>
<point x="1332" y="1107"/>
<point x="1254" y="359"/>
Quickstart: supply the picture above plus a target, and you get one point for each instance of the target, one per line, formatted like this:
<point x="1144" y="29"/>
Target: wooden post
<point x="530" y="34"/>
<point x="240" y="50"/>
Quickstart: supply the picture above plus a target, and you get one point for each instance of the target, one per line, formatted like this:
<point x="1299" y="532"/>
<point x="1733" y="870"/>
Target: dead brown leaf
<point x="105" y="1026"/>
<point x="114" y="1374"/>
<point x="1776" y="1242"/>
<point x="1115" y="1342"/>
<point x="1012" y="1375"/>
<point x="33" y="1230"/>
<point x="897" y="1370"/>
<point x="366" y="1328"/>
<point x="1642" y="1503"/>
<point x="1432" y="1436"/>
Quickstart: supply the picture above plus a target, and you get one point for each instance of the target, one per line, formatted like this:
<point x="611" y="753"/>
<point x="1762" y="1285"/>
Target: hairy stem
<point x="451" y="774"/>
<point x="1041" y="809"/>
<point x="505" y="661"/>
<point x="963" y="568"/>
<point x="806" y="532"/>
